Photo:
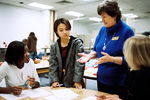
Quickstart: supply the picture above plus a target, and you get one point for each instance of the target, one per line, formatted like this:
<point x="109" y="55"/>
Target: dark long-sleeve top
<point x="138" y="84"/>
<point x="73" y="70"/>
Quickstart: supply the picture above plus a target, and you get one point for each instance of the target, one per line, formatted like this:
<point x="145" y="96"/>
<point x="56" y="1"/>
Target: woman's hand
<point x="109" y="97"/>
<point x="112" y="97"/>
<point x="17" y="90"/>
<point x="31" y="81"/>
<point x="55" y="84"/>
<point x="84" y="58"/>
<point x="105" y="58"/>
<point x="77" y="85"/>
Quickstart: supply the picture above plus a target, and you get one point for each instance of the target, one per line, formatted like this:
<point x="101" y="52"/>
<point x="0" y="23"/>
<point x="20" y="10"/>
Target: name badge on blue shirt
<point x="115" y="38"/>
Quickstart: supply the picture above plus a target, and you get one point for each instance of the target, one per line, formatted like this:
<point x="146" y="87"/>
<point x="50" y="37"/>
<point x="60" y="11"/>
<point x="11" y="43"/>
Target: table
<point x="42" y="67"/>
<point x="84" y="93"/>
<point x="89" y="76"/>
<point x="42" y="70"/>
<point x="46" y="70"/>
<point x="45" y="51"/>
<point x="90" y="73"/>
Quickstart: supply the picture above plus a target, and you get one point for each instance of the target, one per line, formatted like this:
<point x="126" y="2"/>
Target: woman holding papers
<point x="64" y="69"/>
<point x="17" y="68"/>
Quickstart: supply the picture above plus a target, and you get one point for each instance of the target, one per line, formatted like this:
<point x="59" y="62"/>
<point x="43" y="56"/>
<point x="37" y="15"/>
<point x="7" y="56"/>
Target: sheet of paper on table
<point x="53" y="97"/>
<point x="33" y="93"/>
<point x="90" y="98"/>
<point x="64" y="94"/>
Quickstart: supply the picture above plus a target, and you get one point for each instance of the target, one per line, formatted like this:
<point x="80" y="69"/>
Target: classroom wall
<point x="16" y="23"/>
<point x="140" y="26"/>
<point x="80" y="28"/>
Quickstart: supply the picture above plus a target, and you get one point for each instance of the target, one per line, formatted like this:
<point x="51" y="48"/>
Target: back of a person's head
<point x="110" y="7"/>
<point x="15" y="52"/>
<point x="136" y="52"/>
<point x="31" y="34"/>
<point x="24" y="41"/>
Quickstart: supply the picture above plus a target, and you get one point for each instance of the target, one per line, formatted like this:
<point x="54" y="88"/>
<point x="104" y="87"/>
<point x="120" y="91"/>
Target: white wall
<point x="80" y="28"/>
<point x="142" y="25"/>
<point x="16" y="23"/>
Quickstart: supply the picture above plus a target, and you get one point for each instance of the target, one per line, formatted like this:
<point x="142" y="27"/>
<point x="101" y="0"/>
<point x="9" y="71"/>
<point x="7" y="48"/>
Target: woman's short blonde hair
<point x="137" y="52"/>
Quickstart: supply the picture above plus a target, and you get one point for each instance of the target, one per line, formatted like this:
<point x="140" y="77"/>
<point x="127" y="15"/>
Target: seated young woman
<point x="17" y="69"/>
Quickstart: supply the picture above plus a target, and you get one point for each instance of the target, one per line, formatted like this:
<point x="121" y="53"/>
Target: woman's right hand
<point x="55" y="84"/>
<point x="109" y="97"/>
<point x="84" y="58"/>
<point x="17" y="90"/>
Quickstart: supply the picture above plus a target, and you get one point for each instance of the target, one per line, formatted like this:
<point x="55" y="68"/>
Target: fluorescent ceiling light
<point x="72" y="13"/>
<point x="38" y="5"/>
<point x="134" y="16"/>
<point x="126" y="15"/>
<point x="95" y="19"/>
<point x="130" y="15"/>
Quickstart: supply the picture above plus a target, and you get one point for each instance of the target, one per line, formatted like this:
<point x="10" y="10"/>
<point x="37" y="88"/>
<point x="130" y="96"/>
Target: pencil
<point x="25" y="83"/>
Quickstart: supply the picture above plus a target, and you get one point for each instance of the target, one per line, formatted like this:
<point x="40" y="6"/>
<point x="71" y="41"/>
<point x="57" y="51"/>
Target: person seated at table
<point x="16" y="68"/>
<point x="64" y="69"/>
<point x="25" y="41"/>
<point x="137" y="55"/>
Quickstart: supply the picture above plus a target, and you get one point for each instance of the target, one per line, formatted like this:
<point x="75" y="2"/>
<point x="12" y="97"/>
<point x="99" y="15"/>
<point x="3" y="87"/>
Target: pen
<point x="59" y="85"/>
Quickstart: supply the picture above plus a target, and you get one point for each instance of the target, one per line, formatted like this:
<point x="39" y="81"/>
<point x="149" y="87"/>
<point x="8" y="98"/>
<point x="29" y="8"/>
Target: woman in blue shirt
<point x="108" y="48"/>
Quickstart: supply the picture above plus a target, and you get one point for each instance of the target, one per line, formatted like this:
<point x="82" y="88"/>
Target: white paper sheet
<point x="65" y="94"/>
<point x="13" y="97"/>
<point x="90" y="98"/>
<point x="52" y="97"/>
<point x="33" y="93"/>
